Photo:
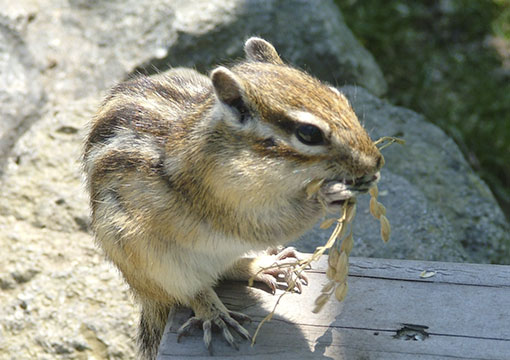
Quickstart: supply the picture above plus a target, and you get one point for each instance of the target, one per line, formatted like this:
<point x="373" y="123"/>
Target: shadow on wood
<point x="282" y="336"/>
<point x="390" y="312"/>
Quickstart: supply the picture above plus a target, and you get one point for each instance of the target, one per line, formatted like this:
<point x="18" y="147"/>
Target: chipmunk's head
<point x="302" y="128"/>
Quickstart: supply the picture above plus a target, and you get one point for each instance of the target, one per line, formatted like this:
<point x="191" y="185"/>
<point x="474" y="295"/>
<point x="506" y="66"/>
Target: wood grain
<point x="462" y="312"/>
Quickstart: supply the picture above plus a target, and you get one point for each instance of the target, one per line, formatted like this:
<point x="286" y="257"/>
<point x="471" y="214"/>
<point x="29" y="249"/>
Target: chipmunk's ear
<point x="257" y="49"/>
<point x="229" y="90"/>
<point x="226" y="85"/>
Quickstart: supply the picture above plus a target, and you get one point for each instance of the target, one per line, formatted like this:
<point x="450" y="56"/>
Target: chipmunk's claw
<point x="239" y="316"/>
<point x="186" y="328"/>
<point x="282" y="276"/>
<point x="206" y="327"/>
<point x="286" y="252"/>
<point x="223" y="321"/>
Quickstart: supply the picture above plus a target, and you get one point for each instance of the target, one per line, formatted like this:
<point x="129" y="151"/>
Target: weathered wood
<point x="462" y="312"/>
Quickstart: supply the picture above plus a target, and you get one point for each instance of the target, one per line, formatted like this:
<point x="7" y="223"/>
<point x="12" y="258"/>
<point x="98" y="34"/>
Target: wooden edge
<point x="426" y="271"/>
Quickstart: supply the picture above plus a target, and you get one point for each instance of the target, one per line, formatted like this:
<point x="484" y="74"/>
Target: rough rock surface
<point x="60" y="299"/>
<point x="22" y="95"/>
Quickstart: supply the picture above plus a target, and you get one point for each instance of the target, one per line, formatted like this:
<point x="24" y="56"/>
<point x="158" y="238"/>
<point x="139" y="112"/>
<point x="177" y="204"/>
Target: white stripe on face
<point x="304" y="118"/>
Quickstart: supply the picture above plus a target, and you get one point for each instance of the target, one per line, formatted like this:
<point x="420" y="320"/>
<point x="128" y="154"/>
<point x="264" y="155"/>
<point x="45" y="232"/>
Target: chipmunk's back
<point x="157" y="106"/>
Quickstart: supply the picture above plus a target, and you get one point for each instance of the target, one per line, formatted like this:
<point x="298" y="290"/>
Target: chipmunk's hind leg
<point x="209" y="311"/>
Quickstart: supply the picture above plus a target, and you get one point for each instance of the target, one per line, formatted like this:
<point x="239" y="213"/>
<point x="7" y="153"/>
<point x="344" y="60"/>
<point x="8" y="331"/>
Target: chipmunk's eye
<point x="309" y="135"/>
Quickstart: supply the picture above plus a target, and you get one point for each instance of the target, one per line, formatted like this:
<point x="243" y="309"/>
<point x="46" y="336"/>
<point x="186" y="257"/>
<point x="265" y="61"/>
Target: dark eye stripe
<point x="310" y="134"/>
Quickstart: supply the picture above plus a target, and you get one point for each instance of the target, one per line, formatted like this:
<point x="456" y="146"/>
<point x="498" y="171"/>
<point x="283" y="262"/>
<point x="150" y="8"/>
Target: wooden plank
<point x="463" y="310"/>
<point x="450" y="273"/>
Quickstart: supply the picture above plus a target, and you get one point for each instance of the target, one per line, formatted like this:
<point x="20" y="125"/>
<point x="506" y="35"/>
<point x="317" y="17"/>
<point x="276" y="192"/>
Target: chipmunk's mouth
<point x="335" y="192"/>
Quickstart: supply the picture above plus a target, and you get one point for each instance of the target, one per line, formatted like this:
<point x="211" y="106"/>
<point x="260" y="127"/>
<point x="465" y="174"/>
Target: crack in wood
<point x="432" y="281"/>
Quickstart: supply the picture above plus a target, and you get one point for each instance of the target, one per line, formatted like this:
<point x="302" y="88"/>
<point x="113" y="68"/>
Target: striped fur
<point x="186" y="174"/>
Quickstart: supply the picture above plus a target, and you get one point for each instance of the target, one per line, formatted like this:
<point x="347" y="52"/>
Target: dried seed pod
<point x="350" y="213"/>
<point x="330" y="272"/>
<point x="313" y="187"/>
<point x="341" y="291"/>
<point x="385" y="228"/>
<point x="318" y="308"/>
<point x="327" y="223"/>
<point x="374" y="191"/>
<point x="381" y="209"/>
<point x="341" y="276"/>
<point x="342" y="263"/>
<point x="333" y="257"/>
<point x="347" y="244"/>
<point x="374" y="208"/>
<point x="328" y="287"/>
<point x="322" y="298"/>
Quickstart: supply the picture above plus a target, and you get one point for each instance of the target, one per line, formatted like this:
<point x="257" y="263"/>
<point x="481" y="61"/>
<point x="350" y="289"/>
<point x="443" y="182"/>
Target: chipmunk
<point x="189" y="175"/>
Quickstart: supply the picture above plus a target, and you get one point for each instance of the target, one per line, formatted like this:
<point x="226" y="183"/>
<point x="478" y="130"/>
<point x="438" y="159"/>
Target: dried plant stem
<point x="338" y="261"/>
<point x="390" y="140"/>
<point x="300" y="266"/>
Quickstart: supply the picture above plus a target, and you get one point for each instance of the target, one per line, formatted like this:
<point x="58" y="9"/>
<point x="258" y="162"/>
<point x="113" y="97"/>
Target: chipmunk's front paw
<point x="280" y="274"/>
<point x="209" y="312"/>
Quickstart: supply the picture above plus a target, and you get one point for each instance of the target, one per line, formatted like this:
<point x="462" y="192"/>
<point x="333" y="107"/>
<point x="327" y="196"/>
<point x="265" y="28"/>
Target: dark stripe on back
<point x="131" y="116"/>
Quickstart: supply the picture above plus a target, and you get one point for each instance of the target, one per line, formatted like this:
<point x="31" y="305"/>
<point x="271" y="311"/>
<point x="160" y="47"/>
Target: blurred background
<point x="449" y="60"/>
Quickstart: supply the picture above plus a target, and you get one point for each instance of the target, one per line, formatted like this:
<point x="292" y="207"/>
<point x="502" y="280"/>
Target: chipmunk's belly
<point x="185" y="271"/>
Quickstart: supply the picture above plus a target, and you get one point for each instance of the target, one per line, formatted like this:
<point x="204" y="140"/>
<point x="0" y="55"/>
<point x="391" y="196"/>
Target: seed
<point x="374" y="208"/>
<point x="341" y="291"/>
<point x="347" y="244"/>
<point x="327" y="223"/>
<point x="322" y="299"/>
<point x="328" y="287"/>
<point x="381" y="209"/>
<point x="313" y="187"/>
<point x="318" y="308"/>
<point x="330" y="272"/>
<point x="385" y="228"/>
<point x="342" y="263"/>
<point x="374" y="191"/>
<point x="341" y="276"/>
<point x="427" y="274"/>
<point x="333" y="257"/>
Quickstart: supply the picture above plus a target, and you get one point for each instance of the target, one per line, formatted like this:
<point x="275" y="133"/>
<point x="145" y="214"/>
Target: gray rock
<point x="419" y="229"/>
<point x="438" y="207"/>
<point x="101" y="42"/>
<point x="309" y="34"/>
<point x="21" y="94"/>
<point x="87" y="46"/>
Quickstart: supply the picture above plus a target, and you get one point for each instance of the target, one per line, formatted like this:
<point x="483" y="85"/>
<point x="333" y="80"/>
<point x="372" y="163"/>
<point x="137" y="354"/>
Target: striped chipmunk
<point x="194" y="179"/>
